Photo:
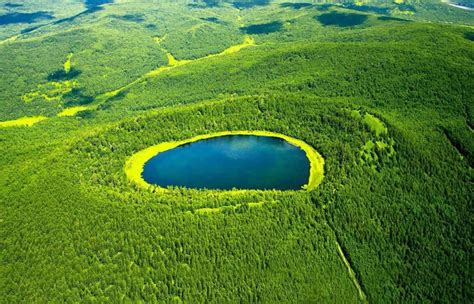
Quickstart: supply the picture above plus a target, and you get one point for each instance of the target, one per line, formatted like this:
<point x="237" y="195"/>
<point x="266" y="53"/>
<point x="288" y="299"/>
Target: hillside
<point x="382" y="92"/>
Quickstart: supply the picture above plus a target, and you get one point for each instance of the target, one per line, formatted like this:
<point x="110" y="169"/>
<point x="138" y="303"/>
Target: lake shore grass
<point x="135" y="164"/>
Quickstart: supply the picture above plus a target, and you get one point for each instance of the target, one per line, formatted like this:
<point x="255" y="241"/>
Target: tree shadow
<point x="61" y="75"/>
<point x="90" y="4"/>
<point x="205" y="4"/>
<point x="264" y="28"/>
<point x="469" y="36"/>
<point x="388" y="18"/>
<point x="12" y="5"/>
<point x="296" y="6"/>
<point x="130" y="17"/>
<point x="324" y="7"/>
<point x="84" y="13"/>
<point x="13" y="18"/>
<point x="368" y="8"/>
<point x="341" y="19"/>
<point x="211" y="19"/>
<point x="76" y="98"/>
<point x="246" y="4"/>
<point x="151" y="26"/>
<point x="28" y="30"/>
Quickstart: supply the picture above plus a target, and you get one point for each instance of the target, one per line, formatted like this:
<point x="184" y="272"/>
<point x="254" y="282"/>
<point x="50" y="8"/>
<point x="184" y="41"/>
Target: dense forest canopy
<point x="381" y="89"/>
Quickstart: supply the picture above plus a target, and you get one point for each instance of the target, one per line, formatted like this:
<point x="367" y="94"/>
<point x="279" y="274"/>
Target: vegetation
<point x="24" y="121"/>
<point x="383" y="92"/>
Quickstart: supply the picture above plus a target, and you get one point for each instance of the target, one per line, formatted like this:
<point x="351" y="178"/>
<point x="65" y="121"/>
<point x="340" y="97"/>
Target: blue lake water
<point x="227" y="162"/>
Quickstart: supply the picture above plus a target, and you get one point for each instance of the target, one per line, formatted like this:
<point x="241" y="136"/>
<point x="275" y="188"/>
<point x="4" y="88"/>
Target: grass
<point x="51" y="91"/>
<point x="67" y="64"/>
<point x="22" y="122"/>
<point x="248" y="41"/>
<point x="135" y="164"/>
<point x="375" y="124"/>
<point x="85" y="214"/>
<point x="74" y="110"/>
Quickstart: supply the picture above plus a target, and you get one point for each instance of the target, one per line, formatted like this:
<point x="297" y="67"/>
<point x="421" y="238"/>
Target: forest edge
<point x="135" y="164"/>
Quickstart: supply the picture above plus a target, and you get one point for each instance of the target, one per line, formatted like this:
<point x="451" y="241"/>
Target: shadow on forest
<point x="460" y="146"/>
<point x="61" y="75"/>
<point x="30" y="29"/>
<point x="130" y="17"/>
<point x="406" y="8"/>
<point x="323" y="7"/>
<point x="76" y="98"/>
<point x="246" y="4"/>
<point x="387" y="18"/>
<point x="12" y="18"/>
<point x="264" y="28"/>
<point x="151" y="26"/>
<point x="12" y="5"/>
<point x="84" y="13"/>
<point x="469" y="36"/>
<point x="211" y="19"/>
<point x="90" y="4"/>
<point x="368" y="8"/>
<point x="109" y="102"/>
<point x="341" y="19"/>
<point x="295" y="6"/>
<point x="205" y="4"/>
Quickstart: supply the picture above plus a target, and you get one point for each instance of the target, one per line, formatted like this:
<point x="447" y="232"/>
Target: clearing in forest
<point x="22" y="122"/>
<point x="73" y="111"/>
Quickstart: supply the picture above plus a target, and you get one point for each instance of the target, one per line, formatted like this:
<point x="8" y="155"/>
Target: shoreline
<point x="135" y="164"/>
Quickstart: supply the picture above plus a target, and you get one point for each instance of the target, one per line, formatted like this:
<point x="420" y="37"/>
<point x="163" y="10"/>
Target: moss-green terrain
<point x="382" y="92"/>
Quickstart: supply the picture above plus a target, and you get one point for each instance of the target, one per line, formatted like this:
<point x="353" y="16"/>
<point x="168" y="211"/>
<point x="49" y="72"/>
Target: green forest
<point x="383" y="92"/>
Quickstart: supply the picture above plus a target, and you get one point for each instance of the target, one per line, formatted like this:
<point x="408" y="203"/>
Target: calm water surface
<point x="234" y="161"/>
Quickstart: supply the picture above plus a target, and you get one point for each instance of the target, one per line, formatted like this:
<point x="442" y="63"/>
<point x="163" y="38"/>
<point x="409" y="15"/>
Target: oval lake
<point x="231" y="161"/>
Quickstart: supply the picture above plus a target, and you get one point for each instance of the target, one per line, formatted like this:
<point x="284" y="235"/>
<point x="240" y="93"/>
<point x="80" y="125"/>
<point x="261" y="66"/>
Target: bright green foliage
<point x="386" y="102"/>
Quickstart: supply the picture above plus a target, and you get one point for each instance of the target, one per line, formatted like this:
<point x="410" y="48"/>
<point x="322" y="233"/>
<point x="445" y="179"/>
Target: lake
<point x="231" y="161"/>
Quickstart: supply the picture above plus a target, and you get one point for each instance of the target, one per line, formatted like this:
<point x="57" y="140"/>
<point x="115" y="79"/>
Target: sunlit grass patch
<point x="248" y="41"/>
<point x="74" y="110"/>
<point x="67" y="64"/>
<point x="51" y="91"/>
<point x="375" y="124"/>
<point x="22" y="122"/>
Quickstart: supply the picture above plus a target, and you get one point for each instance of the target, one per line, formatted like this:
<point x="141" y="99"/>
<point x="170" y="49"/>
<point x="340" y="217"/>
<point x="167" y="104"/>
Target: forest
<point x="383" y="92"/>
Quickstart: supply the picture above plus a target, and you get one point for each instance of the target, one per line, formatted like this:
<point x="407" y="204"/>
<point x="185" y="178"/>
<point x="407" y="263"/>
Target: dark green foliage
<point x="466" y="3"/>
<point x="61" y="75"/>
<point x="386" y="18"/>
<point x="463" y="140"/>
<point x="341" y="19"/>
<point x="86" y="114"/>
<point x="248" y="4"/>
<point x="76" y="98"/>
<point x="211" y="19"/>
<point x="369" y="8"/>
<point x="11" y="18"/>
<point x="74" y="229"/>
<point x="95" y="3"/>
<point x="131" y="17"/>
<point x="265" y="28"/>
<point x="12" y="5"/>
<point x="469" y="36"/>
<point x="296" y="6"/>
<point x="212" y="3"/>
